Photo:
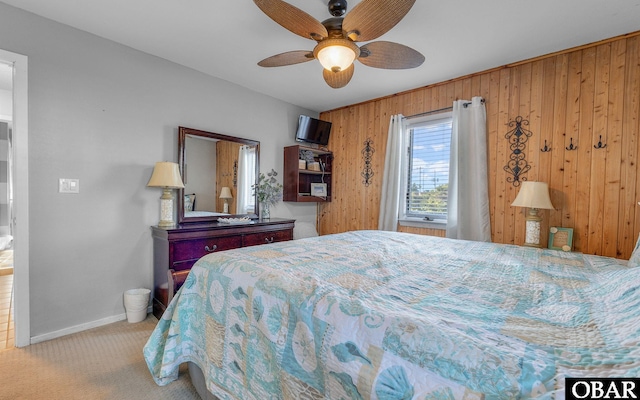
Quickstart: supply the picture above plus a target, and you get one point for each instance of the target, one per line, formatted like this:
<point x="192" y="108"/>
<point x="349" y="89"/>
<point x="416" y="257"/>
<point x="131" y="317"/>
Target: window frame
<point x="404" y="218"/>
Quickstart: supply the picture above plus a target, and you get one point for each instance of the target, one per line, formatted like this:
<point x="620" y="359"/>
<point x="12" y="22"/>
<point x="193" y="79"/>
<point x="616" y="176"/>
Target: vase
<point x="265" y="212"/>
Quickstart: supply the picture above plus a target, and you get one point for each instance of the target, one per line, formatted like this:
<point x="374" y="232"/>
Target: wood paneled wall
<point x="579" y="97"/>
<point x="226" y="160"/>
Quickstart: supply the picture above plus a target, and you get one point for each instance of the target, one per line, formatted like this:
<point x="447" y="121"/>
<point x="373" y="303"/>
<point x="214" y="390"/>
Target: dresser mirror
<point x="218" y="172"/>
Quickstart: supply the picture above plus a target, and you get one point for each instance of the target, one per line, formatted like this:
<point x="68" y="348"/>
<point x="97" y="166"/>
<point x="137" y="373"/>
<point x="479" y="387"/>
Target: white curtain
<point x="468" y="198"/>
<point x="246" y="178"/>
<point x="392" y="177"/>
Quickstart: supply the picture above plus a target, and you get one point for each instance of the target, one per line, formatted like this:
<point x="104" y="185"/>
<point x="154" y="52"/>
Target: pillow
<point x="189" y="202"/>
<point x="634" y="261"/>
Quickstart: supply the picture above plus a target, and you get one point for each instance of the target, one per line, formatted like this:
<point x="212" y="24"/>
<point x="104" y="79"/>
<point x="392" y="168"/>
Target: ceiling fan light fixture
<point x="336" y="54"/>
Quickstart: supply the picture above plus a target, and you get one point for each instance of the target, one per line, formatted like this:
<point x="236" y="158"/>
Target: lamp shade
<point x="225" y="193"/>
<point x="336" y="54"/>
<point x="533" y="195"/>
<point x="167" y="175"/>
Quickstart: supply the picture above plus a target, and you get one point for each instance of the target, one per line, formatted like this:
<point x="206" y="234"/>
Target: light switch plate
<point x="66" y="185"/>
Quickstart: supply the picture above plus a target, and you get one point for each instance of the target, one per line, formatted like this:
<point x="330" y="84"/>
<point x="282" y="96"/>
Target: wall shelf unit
<point x="301" y="184"/>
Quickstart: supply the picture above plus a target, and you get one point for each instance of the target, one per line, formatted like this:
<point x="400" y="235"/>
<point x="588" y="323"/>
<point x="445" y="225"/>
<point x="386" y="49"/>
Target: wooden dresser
<point x="179" y="248"/>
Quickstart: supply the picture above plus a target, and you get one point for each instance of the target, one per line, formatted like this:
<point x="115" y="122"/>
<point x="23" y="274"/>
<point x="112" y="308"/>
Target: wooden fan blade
<point x="293" y="19"/>
<point x="370" y="19"/>
<point x="389" y="55"/>
<point x="338" y="79"/>
<point x="288" y="58"/>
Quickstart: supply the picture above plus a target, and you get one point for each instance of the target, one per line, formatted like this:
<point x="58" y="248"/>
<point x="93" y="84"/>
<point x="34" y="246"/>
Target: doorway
<point x="6" y="239"/>
<point x="14" y="212"/>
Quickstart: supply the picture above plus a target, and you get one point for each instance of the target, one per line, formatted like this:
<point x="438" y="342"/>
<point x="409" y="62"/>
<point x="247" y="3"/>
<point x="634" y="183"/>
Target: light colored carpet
<point x="100" y="363"/>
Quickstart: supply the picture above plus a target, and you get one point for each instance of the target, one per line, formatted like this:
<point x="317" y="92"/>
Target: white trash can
<point x="136" y="302"/>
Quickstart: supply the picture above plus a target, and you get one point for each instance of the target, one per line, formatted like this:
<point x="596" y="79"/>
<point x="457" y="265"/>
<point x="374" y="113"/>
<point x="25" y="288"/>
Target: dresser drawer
<point x="254" y="239"/>
<point x="194" y="249"/>
<point x="175" y="250"/>
<point x="184" y="265"/>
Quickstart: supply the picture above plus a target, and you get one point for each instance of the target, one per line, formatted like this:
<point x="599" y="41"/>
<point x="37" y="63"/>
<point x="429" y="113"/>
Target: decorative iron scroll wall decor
<point x="367" y="153"/>
<point x="235" y="173"/>
<point x="517" y="138"/>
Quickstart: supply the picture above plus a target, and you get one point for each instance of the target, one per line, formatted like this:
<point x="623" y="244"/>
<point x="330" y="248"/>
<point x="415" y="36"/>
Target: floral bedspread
<point x="381" y="315"/>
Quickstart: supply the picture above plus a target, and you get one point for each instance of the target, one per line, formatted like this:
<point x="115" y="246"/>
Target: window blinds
<point x="428" y="172"/>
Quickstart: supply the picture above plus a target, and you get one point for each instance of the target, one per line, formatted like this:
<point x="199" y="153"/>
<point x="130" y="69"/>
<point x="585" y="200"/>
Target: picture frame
<point x="319" y="189"/>
<point x="560" y="238"/>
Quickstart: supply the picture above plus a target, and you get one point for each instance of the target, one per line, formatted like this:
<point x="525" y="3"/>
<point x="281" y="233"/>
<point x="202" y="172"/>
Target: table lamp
<point x="535" y="196"/>
<point x="167" y="176"/>
<point x="225" y="194"/>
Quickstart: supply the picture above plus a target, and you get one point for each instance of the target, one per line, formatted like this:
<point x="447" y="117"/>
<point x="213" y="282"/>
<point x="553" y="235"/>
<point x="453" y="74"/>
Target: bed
<point x="191" y="214"/>
<point x="385" y="315"/>
<point x="190" y="211"/>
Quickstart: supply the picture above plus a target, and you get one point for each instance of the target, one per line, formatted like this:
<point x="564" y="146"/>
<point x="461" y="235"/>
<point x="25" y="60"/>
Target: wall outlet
<point x="68" y="185"/>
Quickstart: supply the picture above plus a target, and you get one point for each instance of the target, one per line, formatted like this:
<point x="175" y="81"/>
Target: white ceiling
<point x="226" y="39"/>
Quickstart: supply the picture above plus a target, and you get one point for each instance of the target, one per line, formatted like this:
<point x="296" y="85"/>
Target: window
<point x="426" y="169"/>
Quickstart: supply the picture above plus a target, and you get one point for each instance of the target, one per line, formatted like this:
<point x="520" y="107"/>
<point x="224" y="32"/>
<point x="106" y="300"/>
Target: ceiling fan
<point x="336" y="37"/>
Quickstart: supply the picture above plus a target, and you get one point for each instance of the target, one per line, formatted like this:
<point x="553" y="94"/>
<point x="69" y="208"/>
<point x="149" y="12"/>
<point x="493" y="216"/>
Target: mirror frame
<point x="182" y="134"/>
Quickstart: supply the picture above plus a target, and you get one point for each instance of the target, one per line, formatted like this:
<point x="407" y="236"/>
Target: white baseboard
<point x="81" y="327"/>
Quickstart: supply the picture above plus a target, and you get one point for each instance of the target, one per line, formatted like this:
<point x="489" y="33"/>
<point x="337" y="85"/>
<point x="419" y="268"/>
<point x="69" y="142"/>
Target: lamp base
<point x="532" y="222"/>
<point x="166" y="224"/>
<point x="166" y="209"/>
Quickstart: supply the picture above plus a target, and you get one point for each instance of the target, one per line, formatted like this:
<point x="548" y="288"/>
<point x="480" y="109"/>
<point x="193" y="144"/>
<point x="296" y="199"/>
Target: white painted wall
<point x="105" y="113"/>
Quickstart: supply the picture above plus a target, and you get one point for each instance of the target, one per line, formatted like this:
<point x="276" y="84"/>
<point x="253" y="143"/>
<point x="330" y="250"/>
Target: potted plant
<point x="268" y="192"/>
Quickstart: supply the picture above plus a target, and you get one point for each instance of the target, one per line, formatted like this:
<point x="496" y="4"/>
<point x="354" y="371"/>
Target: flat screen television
<point x="311" y="130"/>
